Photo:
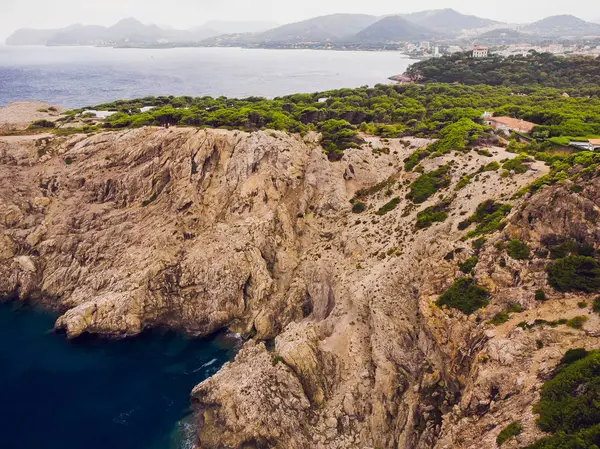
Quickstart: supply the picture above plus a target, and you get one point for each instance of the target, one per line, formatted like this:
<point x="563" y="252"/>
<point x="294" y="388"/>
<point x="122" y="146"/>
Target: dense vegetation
<point x="574" y="273"/>
<point x="518" y="250"/>
<point x="449" y="112"/>
<point x="569" y="408"/>
<point x="465" y="295"/>
<point x="540" y="69"/>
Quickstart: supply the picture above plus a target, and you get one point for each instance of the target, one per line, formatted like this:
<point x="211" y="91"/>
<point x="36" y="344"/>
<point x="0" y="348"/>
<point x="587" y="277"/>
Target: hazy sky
<point x="187" y="13"/>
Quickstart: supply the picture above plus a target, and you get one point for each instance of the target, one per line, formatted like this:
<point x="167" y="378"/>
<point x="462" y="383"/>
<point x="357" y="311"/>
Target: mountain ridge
<point x="341" y="27"/>
<point x="394" y="28"/>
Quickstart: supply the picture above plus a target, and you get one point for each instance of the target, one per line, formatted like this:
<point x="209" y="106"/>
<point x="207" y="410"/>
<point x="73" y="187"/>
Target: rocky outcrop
<point x="201" y="230"/>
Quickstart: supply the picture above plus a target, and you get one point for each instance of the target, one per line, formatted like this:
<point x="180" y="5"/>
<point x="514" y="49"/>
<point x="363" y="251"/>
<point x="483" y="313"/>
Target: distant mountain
<point x="448" y="21"/>
<point x="332" y="27"/>
<point x="30" y="36"/>
<point x="79" y="35"/>
<point x="130" y="31"/>
<point x="503" y="36"/>
<point x="230" y="27"/>
<point x="563" y="26"/>
<point x="394" y="28"/>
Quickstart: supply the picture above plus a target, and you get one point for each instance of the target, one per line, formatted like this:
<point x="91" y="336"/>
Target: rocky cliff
<point x="201" y="230"/>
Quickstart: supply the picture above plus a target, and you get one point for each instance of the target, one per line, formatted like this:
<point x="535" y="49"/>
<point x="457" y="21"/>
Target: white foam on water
<point x="184" y="434"/>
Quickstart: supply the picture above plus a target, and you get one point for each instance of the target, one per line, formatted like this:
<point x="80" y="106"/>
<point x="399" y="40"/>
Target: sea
<point x="75" y="77"/>
<point x="94" y="393"/>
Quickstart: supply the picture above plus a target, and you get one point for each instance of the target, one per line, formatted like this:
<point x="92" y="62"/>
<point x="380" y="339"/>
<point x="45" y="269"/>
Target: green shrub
<point x="516" y="165"/>
<point x="518" y="250"/>
<point x="489" y="217"/>
<point x="577" y="322"/>
<point x="465" y="296"/>
<point x="572" y="355"/>
<point x="570" y="248"/>
<point x="358" y="207"/>
<point x="492" y="166"/>
<point x="540" y="295"/>
<point x="500" y="318"/>
<point x="582" y="304"/>
<point x="374" y="189"/>
<point x="388" y="207"/>
<point x="584" y="439"/>
<point x="596" y="306"/>
<point x="478" y="244"/>
<point x="413" y="160"/>
<point x="433" y="214"/>
<point x="457" y="136"/>
<point x="464" y="181"/>
<point x="40" y="124"/>
<point x="428" y="184"/>
<point x="574" y="273"/>
<point x="337" y="136"/>
<point x="561" y="407"/>
<point x="468" y="265"/>
<point x="504" y="316"/>
<point x="510" y="431"/>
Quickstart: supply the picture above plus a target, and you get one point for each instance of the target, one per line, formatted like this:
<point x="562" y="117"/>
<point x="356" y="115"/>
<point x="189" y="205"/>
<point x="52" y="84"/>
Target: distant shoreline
<point x="243" y="47"/>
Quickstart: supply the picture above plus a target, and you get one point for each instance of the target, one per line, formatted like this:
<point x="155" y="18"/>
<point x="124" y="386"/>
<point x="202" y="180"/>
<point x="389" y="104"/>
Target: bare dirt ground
<point x="19" y="115"/>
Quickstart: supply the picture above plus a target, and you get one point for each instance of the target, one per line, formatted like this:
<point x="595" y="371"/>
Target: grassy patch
<point x="596" y="306"/>
<point x="465" y="295"/>
<point x="464" y="181"/>
<point x="428" y="184"/>
<point x="362" y="193"/>
<point x="516" y="165"/>
<point x="468" y="265"/>
<point x="413" y="160"/>
<point x="388" y="207"/>
<point x="504" y="316"/>
<point x="433" y="214"/>
<point x="577" y="322"/>
<point x="510" y="431"/>
<point x="538" y="322"/>
<point x="489" y="217"/>
<point x="42" y="124"/>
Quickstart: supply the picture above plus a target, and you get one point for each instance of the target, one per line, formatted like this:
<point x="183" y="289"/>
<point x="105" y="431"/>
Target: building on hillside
<point x="508" y="124"/>
<point x="480" y="52"/>
<point x="589" y="145"/>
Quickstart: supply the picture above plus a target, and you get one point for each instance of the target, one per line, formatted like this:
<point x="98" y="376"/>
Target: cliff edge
<point x="332" y="270"/>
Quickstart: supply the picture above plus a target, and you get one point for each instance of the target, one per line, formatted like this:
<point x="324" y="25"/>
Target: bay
<point x="95" y="393"/>
<point x="80" y="76"/>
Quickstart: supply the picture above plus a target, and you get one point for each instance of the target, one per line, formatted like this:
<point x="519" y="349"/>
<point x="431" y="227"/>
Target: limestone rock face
<point x="201" y="230"/>
<point x="197" y="230"/>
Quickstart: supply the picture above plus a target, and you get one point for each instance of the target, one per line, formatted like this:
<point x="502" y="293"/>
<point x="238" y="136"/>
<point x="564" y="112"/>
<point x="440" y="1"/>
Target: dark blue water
<point x="80" y="76"/>
<point x="94" y="393"/>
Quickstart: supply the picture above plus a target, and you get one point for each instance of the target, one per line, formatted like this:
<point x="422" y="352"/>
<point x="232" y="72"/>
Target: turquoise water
<point x="98" y="394"/>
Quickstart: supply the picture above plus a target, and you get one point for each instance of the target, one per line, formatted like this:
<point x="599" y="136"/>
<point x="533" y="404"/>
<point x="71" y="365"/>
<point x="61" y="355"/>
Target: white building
<point x="480" y="52"/>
